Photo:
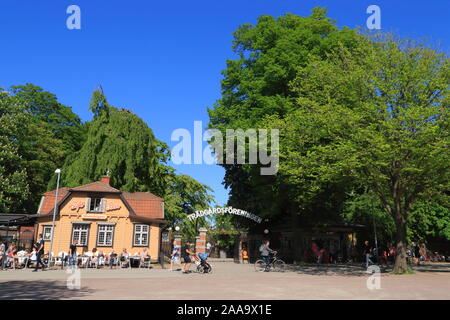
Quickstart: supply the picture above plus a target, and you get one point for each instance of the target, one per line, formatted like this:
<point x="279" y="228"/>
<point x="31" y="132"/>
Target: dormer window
<point x="96" y="204"/>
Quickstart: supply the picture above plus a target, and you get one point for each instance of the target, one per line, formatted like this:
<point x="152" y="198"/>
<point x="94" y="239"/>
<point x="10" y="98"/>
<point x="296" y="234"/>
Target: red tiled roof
<point x="140" y="196"/>
<point x="96" y="187"/>
<point x="49" y="199"/>
<point x="145" y="204"/>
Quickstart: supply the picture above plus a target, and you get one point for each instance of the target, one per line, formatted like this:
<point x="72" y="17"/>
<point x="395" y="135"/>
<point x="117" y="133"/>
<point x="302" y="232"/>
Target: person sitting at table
<point x="144" y="255"/>
<point x="12" y="256"/>
<point x="112" y="259"/>
<point x="94" y="257"/>
<point x="101" y="258"/>
<point x="125" y="257"/>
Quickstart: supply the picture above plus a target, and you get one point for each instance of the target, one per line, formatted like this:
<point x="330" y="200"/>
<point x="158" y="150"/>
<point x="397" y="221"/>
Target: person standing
<point x="73" y="255"/>
<point x="2" y="257"/>
<point x="416" y="252"/>
<point x="208" y="248"/>
<point x="367" y="253"/>
<point x="244" y="255"/>
<point x="333" y="252"/>
<point x="40" y="253"/>
<point x="187" y="253"/>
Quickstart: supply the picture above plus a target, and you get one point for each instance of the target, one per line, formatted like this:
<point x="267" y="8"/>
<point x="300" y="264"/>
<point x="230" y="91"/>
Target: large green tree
<point x="14" y="188"/>
<point x="121" y="143"/>
<point x="256" y="88"/>
<point x="377" y="114"/>
<point x="49" y="132"/>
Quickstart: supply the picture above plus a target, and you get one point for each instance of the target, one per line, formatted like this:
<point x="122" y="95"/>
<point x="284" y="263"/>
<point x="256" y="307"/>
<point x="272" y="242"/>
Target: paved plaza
<point x="228" y="281"/>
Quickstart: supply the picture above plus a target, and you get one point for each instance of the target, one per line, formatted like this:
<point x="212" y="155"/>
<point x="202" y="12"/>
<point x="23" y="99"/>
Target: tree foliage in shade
<point x="13" y="175"/>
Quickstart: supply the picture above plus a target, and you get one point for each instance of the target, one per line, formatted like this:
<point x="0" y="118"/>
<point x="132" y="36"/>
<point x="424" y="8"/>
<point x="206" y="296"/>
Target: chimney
<point x="105" y="180"/>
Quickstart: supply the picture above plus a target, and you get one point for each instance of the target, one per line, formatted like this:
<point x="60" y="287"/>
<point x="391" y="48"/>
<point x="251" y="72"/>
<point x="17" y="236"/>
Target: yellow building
<point x="97" y="215"/>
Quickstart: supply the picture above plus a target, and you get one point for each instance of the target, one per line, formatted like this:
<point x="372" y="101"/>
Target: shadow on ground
<point x="333" y="269"/>
<point x="357" y="270"/>
<point x="434" y="267"/>
<point x="39" y="290"/>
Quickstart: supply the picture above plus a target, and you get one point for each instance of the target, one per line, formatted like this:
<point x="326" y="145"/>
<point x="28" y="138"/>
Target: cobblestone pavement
<point x="228" y="281"/>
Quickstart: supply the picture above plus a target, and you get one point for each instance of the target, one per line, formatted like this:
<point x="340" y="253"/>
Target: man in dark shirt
<point x="186" y="253"/>
<point x="39" y="253"/>
<point x="73" y="254"/>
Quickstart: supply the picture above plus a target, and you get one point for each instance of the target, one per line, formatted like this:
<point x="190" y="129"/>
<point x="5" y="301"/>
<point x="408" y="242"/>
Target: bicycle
<point x="274" y="263"/>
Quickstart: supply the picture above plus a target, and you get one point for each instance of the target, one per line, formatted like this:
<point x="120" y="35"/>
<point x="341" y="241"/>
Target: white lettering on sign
<point x="230" y="210"/>
<point x="112" y="206"/>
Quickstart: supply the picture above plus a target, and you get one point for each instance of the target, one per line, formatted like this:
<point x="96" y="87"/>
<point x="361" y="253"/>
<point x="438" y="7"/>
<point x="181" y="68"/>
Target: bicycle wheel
<point x="279" y="265"/>
<point x="260" y="265"/>
<point x="207" y="268"/>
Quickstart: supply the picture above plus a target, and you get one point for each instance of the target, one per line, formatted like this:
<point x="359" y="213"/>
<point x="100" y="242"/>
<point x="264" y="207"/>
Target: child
<point x="244" y="255"/>
<point x="175" y="257"/>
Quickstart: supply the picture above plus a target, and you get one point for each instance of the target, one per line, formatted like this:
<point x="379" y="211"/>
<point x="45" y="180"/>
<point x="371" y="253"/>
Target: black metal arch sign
<point x="224" y="210"/>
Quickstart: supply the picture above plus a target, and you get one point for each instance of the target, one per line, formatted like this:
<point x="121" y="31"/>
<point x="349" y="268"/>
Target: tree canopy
<point x="356" y="115"/>
<point x="14" y="188"/>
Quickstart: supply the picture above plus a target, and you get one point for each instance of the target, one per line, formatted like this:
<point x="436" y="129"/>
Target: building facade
<point x="97" y="215"/>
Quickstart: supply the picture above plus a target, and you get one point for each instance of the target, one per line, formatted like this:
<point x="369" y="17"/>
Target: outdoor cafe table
<point x="133" y="259"/>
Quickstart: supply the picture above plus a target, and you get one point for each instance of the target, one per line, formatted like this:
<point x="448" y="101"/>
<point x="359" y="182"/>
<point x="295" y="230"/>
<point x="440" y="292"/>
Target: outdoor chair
<point x="126" y="263"/>
<point x="23" y="262"/>
<point x="60" y="259"/>
<point x="10" y="263"/>
<point x="145" y="263"/>
<point x="101" y="261"/>
<point x="112" y="260"/>
<point x="85" y="261"/>
<point x="93" y="262"/>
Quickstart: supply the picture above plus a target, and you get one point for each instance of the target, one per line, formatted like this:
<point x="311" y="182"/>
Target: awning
<point x="14" y="218"/>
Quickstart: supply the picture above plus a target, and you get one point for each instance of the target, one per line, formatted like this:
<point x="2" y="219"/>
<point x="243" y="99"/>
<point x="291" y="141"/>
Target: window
<point x="105" y="235"/>
<point x="80" y="234"/>
<point x="141" y="235"/>
<point x="95" y="205"/>
<point x="47" y="233"/>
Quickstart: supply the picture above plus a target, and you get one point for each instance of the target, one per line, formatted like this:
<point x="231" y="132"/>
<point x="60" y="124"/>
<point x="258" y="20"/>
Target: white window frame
<point x="81" y="228"/>
<point x="100" y="208"/>
<point x="137" y="235"/>
<point x="44" y="233"/>
<point x="109" y="229"/>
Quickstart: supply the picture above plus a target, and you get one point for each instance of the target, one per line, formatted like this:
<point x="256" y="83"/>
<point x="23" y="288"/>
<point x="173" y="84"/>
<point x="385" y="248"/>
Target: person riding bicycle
<point x="265" y="252"/>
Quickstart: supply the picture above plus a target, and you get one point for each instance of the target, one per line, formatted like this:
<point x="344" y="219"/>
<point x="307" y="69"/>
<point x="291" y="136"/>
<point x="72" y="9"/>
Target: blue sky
<point x="163" y="59"/>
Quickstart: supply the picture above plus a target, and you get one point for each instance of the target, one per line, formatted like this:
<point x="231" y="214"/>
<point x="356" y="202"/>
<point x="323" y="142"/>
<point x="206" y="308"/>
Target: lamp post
<point x="58" y="172"/>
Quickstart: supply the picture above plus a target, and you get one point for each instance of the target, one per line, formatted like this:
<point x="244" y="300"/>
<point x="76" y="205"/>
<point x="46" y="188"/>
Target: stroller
<point x="202" y="265"/>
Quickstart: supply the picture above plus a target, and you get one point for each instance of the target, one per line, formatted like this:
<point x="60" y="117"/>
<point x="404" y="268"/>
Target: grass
<point x="409" y="270"/>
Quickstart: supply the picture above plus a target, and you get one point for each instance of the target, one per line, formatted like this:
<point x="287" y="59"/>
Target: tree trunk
<point x="401" y="265"/>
